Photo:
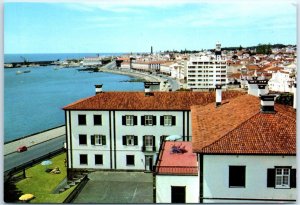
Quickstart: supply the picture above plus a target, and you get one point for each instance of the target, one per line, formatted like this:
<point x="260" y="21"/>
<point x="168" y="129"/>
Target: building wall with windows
<point x="164" y="184"/>
<point x="258" y="181"/>
<point x="205" y="72"/>
<point x="127" y="140"/>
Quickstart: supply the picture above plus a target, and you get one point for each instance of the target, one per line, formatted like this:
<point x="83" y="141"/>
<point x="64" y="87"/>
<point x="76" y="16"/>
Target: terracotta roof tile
<point x="238" y="127"/>
<point x="138" y="100"/>
<point x="177" y="163"/>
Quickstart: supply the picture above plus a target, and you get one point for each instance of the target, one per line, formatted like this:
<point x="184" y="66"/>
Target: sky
<point x="106" y="26"/>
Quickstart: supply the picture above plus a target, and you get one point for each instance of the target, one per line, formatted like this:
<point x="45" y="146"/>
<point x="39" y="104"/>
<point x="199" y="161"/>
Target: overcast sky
<point x="134" y="26"/>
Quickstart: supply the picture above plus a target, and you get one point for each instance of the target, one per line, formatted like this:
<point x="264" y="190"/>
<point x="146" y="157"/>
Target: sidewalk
<point x="34" y="139"/>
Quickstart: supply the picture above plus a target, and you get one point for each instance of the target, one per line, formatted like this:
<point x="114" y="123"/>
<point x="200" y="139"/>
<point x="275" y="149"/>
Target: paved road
<point x="15" y="159"/>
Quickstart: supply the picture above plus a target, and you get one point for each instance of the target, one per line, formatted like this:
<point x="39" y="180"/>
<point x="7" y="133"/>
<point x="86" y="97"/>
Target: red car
<point x="22" y="149"/>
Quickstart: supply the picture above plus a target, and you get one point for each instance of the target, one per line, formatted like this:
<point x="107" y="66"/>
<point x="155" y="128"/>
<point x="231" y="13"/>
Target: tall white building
<point x="204" y="72"/>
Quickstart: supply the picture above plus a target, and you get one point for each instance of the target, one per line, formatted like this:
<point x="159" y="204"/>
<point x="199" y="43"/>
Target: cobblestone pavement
<point x="117" y="187"/>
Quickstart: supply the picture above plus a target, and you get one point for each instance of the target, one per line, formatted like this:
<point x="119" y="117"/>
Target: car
<point x="22" y="149"/>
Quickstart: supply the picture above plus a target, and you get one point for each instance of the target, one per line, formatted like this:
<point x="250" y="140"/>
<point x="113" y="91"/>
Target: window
<point x="281" y="178"/>
<point x="98" y="140"/>
<point x="82" y="140"/>
<point x="130" y="159"/>
<point x="81" y="120"/>
<point x="129" y="120"/>
<point x="98" y="159"/>
<point x="237" y="176"/>
<point x="130" y="140"/>
<point x="148" y="143"/>
<point x="148" y="120"/>
<point x="97" y="119"/>
<point x="167" y="120"/>
<point x="83" y="159"/>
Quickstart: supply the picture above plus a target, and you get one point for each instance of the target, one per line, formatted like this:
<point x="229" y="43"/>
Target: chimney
<point x="98" y="89"/>
<point x="295" y="95"/>
<point x="267" y="103"/>
<point x="218" y="95"/>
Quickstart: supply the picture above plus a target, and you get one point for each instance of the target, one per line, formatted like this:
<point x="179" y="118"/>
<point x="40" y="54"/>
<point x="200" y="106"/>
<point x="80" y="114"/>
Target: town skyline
<point x="131" y="26"/>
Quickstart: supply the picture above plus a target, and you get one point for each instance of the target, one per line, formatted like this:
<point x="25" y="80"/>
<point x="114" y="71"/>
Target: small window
<point x="82" y="140"/>
<point x="83" y="159"/>
<point x="130" y="159"/>
<point x="167" y="120"/>
<point x="98" y="140"/>
<point x="81" y="120"/>
<point x="237" y="176"/>
<point x="148" y="120"/>
<point x="129" y="120"/>
<point x="97" y="119"/>
<point x="148" y="141"/>
<point x="281" y="178"/>
<point x="130" y="140"/>
<point x="98" y="159"/>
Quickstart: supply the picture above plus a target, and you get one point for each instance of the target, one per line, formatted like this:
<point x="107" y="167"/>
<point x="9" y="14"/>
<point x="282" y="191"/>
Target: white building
<point x="123" y="130"/>
<point x="205" y="72"/>
<point x="92" y="61"/>
<point x="176" y="174"/>
<point x="281" y="82"/>
<point x="246" y="151"/>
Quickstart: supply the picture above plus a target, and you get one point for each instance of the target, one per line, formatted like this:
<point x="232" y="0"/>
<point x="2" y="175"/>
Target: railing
<point x="176" y="170"/>
<point x="9" y="173"/>
<point x="148" y="148"/>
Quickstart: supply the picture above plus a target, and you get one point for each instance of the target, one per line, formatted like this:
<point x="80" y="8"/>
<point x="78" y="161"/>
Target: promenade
<point x="34" y="139"/>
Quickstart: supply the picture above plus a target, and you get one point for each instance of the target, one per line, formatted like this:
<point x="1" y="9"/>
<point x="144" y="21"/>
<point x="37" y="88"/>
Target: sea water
<point x="33" y="101"/>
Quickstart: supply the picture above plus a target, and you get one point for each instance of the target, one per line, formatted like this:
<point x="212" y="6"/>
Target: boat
<point x="25" y="71"/>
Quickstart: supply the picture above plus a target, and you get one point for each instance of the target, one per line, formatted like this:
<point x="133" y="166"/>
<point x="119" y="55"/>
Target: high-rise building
<point x="204" y="72"/>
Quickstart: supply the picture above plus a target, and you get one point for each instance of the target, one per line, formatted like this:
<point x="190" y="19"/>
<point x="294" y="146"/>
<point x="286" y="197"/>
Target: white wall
<point x="164" y="183"/>
<point x="118" y="132"/>
<point x="216" y="177"/>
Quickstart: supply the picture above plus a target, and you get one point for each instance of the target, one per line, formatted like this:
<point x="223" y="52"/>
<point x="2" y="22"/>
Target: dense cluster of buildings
<point x="235" y="146"/>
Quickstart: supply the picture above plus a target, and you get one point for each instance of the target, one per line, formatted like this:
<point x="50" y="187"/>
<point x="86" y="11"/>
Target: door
<point x="178" y="194"/>
<point x="149" y="162"/>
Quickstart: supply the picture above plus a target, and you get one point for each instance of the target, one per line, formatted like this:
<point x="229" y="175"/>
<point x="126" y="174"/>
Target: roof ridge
<point x="225" y="135"/>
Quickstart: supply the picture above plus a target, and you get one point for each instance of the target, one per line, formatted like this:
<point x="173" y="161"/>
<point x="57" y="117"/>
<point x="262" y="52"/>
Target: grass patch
<point x="41" y="184"/>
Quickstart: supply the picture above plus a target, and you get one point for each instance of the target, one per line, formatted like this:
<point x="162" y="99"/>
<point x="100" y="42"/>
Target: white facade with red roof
<point x="176" y="174"/>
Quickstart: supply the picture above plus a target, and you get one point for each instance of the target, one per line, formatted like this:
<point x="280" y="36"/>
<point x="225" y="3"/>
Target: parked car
<point x="22" y="149"/>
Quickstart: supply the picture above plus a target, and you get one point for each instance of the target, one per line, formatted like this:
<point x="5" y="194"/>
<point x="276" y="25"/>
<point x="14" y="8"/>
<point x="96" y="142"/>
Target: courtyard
<point x="117" y="187"/>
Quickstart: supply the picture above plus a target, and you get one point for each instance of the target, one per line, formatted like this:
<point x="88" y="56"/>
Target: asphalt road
<point x="16" y="158"/>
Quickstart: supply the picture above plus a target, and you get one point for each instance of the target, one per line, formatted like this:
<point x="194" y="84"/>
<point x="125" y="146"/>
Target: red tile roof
<point x="177" y="163"/>
<point x="138" y="100"/>
<point x="238" y="127"/>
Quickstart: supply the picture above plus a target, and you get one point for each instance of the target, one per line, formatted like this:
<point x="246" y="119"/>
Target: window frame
<point x="167" y="120"/>
<point x="129" y="120"/>
<point x="149" y="120"/>
<point x="150" y="138"/>
<point x="282" y="175"/>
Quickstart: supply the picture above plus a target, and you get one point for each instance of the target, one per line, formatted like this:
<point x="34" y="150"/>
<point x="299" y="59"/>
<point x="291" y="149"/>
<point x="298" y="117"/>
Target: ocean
<point x="9" y="58"/>
<point x="33" y="101"/>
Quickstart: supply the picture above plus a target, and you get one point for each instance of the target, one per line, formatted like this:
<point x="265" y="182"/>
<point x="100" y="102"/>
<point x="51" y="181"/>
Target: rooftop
<point x="238" y="127"/>
<point x="139" y="101"/>
<point x="183" y="162"/>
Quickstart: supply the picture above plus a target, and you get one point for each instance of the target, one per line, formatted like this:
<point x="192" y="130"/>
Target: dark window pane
<point x="83" y="159"/>
<point x="98" y="159"/>
<point x="237" y="176"/>
<point x="82" y="140"/>
<point x="97" y="119"/>
<point x="81" y="120"/>
<point x="130" y="159"/>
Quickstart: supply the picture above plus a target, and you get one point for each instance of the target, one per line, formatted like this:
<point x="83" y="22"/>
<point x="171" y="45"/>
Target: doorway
<point x="149" y="162"/>
<point x="177" y="194"/>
